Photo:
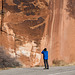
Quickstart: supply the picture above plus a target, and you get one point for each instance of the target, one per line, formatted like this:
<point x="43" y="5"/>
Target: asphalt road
<point x="68" y="70"/>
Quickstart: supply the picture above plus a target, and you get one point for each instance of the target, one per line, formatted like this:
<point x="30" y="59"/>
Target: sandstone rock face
<point x="24" y="29"/>
<point x="28" y="26"/>
<point x="62" y="31"/>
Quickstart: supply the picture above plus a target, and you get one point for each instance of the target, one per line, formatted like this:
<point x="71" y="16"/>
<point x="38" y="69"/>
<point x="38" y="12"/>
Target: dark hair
<point x="45" y="49"/>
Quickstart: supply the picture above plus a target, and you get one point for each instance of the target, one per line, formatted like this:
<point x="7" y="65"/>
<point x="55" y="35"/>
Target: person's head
<point x="45" y="49"/>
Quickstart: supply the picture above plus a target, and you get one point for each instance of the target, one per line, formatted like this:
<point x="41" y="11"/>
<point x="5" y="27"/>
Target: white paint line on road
<point x="61" y="72"/>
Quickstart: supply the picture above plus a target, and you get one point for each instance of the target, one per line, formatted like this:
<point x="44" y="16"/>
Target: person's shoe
<point x="47" y="68"/>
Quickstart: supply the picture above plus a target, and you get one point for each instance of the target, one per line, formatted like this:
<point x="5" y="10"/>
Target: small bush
<point x="58" y="63"/>
<point x="6" y="61"/>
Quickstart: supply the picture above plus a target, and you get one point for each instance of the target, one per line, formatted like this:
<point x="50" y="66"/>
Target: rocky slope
<point x="28" y="26"/>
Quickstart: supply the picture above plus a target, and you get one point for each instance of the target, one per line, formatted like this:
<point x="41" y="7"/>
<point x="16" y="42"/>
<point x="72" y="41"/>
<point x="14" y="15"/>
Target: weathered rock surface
<point x="28" y="26"/>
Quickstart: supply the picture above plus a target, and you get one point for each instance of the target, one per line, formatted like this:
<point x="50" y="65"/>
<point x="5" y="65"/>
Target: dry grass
<point x="59" y="63"/>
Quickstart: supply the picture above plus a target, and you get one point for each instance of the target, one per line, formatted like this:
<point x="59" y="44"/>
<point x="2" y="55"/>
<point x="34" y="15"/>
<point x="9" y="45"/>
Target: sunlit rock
<point x="28" y="26"/>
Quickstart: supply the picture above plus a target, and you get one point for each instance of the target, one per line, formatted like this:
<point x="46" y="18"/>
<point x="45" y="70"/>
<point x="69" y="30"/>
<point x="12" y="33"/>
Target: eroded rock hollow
<point x="28" y="26"/>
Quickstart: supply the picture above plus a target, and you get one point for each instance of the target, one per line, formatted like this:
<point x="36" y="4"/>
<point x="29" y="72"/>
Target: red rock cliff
<point x="28" y="26"/>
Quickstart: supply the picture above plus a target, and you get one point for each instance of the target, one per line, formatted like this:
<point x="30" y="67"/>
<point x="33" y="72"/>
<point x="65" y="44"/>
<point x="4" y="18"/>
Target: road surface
<point x="67" y="70"/>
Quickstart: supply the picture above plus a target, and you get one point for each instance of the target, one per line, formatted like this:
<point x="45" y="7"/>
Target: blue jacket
<point x="45" y="54"/>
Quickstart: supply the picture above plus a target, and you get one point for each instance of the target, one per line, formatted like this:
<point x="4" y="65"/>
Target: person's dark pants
<point x="46" y="64"/>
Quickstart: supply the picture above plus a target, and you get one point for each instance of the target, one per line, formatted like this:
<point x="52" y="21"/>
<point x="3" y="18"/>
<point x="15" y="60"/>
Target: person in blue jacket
<point x="45" y="57"/>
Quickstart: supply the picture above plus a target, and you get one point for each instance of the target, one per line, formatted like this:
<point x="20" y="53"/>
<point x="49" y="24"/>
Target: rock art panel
<point x="24" y="25"/>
